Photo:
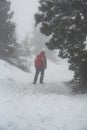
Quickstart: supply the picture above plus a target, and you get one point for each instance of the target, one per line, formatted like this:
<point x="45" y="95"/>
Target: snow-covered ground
<point x="51" y="106"/>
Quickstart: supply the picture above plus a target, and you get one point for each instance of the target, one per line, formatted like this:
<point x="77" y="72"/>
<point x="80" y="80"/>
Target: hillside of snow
<point x="50" y="106"/>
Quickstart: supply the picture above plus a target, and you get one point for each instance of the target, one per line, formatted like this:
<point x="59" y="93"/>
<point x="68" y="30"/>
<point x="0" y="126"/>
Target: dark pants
<point x="41" y="71"/>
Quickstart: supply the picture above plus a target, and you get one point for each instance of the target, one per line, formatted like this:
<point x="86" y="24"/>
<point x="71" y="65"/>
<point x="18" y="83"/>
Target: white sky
<point x="24" y="11"/>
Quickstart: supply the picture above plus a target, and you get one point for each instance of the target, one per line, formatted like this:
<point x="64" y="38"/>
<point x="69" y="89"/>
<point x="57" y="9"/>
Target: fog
<point x="24" y="11"/>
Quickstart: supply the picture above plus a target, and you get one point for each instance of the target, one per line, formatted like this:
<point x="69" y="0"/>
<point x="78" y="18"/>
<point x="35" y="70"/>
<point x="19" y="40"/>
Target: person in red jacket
<point x="40" y="65"/>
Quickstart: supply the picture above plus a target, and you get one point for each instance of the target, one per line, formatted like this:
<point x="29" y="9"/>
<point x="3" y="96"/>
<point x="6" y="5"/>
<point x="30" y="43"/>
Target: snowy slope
<point x="24" y="106"/>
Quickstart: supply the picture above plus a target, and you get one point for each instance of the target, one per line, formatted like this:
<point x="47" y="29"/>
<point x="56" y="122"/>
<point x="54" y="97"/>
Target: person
<point x="40" y="66"/>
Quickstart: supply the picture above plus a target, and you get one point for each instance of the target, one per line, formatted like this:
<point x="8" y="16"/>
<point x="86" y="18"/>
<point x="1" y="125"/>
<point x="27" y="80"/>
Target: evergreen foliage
<point x="22" y="57"/>
<point x="66" y="22"/>
<point x="7" y="31"/>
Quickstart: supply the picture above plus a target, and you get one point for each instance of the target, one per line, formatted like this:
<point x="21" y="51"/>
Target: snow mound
<point x="50" y="106"/>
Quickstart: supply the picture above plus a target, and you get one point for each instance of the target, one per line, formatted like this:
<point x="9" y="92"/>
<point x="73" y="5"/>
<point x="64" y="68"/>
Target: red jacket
<point x="40" y="60"/>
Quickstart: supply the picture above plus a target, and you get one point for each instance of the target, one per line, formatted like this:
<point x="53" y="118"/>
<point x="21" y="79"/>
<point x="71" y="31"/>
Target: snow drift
<point x="51" y="106"/>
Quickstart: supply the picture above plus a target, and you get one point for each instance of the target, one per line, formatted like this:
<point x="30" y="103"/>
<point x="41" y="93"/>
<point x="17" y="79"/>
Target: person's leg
<point x="42" y="75"/>
<point x="36" y="75"/>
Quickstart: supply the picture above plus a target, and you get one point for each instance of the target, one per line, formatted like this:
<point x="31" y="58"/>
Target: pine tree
<point x="66" y="22"/>
<point x="23" y="55"/>
<point x="25" y="46"/>
<point x="7" y="31"/>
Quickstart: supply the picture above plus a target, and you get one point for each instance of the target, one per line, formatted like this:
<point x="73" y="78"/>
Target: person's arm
<point x="44" y="62"/>
<point x="35" y="61"/>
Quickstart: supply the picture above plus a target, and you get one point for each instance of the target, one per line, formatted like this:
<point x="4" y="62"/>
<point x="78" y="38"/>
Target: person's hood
<point x="42" y="53"/>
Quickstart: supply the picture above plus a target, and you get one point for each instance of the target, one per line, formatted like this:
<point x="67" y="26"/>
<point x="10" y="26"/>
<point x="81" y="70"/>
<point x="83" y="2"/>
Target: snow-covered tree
<point x="25" y="48"/>
<point x="23" y="55"/>
<point x="7" y="31"/>
<point x="66" y="22"/>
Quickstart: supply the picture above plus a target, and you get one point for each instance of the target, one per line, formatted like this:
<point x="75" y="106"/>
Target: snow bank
<point x="58" y="72"/>
<point x="24" y="106"/>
